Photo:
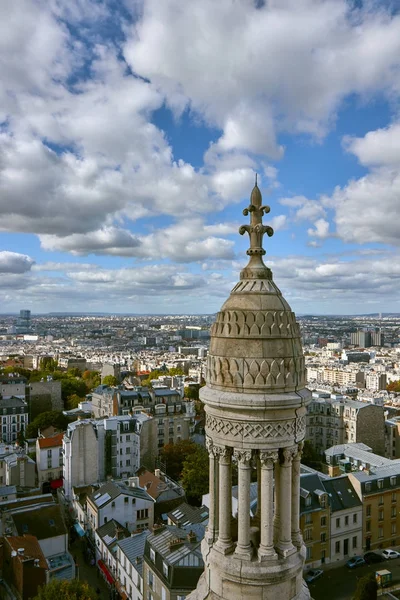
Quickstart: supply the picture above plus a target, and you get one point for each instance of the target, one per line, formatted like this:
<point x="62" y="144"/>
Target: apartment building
<point x="335" y="420"/>
<point x="122" y="446"/>
<point x="392" y="437"/>
<point x="127" y="504"/>
<point x="49" y="458"/>
<point x="345" y="519"/>
<point x="379" y="492"/>
<point x="172" y="563"/>
<point x="315" y="519"/>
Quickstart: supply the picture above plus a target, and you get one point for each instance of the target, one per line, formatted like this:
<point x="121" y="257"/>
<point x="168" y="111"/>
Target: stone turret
<point x="255" y="402"/>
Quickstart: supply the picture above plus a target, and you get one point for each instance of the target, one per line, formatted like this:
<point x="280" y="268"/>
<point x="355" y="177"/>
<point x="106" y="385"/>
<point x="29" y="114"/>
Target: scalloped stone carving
<point x="273" y="429"/>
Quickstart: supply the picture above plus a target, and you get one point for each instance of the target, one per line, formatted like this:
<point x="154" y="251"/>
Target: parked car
<point x="356" y="561"/>
<point x="389" y="553"/>
<point x="372" y="557"/>
<point x="313" y="574"/>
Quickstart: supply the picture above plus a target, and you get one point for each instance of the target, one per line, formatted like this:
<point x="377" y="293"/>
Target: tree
<point x="70" y="386"/>
<point x="174" y="455"/>
<point x="73" y="401"/>
<point x="75" y="372"/>
<point x="367" y="588"/>
<point x="63" y="589"/>
<point x="92" y="379"/>
<point x="176" y="371"/>
<point x="51" y="417"/>
<point x="393" y="386"/>
<point x="309" y="456"/>
<point x="195" y="475"/>
<point x="110" y="380"/>
<point x="192" y="392"/>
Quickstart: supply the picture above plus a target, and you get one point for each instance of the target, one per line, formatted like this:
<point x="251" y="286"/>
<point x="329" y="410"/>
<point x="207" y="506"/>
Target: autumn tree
<point x="393" y="386"/>
<point x="63" y="589"/>
<point x="174" y="455"/>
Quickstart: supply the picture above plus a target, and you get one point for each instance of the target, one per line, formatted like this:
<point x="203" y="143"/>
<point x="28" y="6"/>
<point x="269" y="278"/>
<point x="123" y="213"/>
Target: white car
<point x="390" y="553"/>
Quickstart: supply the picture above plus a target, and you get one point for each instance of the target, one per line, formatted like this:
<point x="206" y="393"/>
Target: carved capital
<point x="224" y="453"/>
<point x="243" y="456"/>
<point x="211" y="448"/>
<point x="288" y="454"/>
<point x="268" y="458"/>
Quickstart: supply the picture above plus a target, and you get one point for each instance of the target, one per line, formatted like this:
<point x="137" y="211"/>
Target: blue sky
<point x="131" y="132"/>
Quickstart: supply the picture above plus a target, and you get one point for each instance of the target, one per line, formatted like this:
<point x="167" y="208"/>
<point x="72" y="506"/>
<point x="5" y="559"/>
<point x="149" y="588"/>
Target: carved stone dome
<point x="255" y="340"/>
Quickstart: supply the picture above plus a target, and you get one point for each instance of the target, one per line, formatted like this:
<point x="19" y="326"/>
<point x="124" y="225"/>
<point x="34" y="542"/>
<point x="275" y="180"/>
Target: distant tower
<point x="255" y="402"/>
<point x="24" y="321"/>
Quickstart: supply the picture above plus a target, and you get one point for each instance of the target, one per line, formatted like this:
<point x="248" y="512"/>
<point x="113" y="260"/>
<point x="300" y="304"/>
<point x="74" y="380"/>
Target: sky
<point x="131" y="132"/>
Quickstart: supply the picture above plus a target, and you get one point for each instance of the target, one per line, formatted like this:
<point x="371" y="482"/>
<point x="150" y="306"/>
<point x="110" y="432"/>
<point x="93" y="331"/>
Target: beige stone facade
<point x="255" y="402"/>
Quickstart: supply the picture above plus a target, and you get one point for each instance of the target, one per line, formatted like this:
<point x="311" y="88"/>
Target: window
<point x="368" y="510"/>
<point x="380" y="484"/>
<point x="393" y="480"/>
<point x="355" y="518"/>
<point x="337" y="522"/>
<point x="308" y="535"/>
<point x="308" y="519"/>
<point x="368" y="486"/>
<point x="323" y="537"/>
<point x="393" y="528"/>
<point x="346" y="520"/>
<point x="337" y="547"/>
<point x="380" y="532"/>
<point x="133" y="500"/>
<point x="380" y="517"/>
<point x="380" y="499"/>
<point x="165" y="569"/>
<point x="128" y="463"/>
<point x="163" y="594"/>
<point x="112" y="504"/>
<point x="309" y="554"/>
<point x="368" y="526"/>
<point x="354" y="542"/>
<point x="394" y="497"/>
<point x="323" y="521"/>
<point x="308" y="501"/>
<point x="181" y="598"/>
<point x="142" y="514"/>
<point x="393" y="512"/>
<point x="152" y="557"/>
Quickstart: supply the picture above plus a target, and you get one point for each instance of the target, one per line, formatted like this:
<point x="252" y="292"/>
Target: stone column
<point x="277" y="488"/>
<point x="225" y="499"/>
<point x="258" y="467"/>
<point x="284" y="544"/>
<point x="266" y="510"/>
<point x="243" y="547"/>
<point x="296" y="533"/>
<point x="212" y="529"/>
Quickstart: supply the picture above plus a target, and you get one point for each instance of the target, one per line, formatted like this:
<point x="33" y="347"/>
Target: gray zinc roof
<point x="133" y="548"/>
<point x="341" y="493"/>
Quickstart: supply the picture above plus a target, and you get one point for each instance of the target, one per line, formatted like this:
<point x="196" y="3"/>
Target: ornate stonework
<point x="255" y="403"/>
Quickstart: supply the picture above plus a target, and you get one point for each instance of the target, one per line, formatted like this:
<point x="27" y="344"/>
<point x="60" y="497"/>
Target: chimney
<point x="133" y="481"/>
<point x="20" y="551"/>
<point x="192" y="536"/>
<point x="157" y="473"/>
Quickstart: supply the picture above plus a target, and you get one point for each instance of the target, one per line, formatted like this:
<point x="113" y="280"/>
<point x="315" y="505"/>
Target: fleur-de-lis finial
<point x="256" y="267"/>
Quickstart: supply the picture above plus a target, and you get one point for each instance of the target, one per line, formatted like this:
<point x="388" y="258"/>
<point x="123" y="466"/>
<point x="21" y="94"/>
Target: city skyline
<point x="131" y="133"/>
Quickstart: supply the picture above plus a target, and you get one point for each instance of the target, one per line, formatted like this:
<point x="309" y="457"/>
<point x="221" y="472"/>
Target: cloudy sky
<point x="131" y="131"/>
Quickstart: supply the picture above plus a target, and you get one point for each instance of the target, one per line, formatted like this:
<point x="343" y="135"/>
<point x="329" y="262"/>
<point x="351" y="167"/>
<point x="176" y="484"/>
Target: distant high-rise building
<point x="23" y="321"/>
<point x="365" y="339"/>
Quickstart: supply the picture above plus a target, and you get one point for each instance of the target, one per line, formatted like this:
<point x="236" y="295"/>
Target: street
<point x="340" y="583"/>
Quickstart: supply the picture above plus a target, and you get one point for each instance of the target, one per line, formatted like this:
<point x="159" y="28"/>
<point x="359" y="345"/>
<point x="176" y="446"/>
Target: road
<point x="340" y="583"/>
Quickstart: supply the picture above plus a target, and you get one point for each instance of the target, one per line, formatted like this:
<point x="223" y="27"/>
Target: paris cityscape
<point x="199" y="315"/>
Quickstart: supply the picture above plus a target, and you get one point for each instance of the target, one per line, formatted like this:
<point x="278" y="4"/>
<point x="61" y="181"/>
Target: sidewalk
<point x="88" y="573"/>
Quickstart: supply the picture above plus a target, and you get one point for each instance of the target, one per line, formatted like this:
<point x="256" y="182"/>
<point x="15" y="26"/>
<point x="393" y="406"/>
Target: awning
<point x="105" y="570"/>
<point x="56" y="483"/>
<point x="79" y="530"/>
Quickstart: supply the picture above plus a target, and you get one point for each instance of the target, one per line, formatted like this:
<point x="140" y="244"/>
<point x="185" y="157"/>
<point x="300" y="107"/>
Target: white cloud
<point x="321" y="229"/>
<point x="285" y="65"/>
<point x="12" y="262"/>
<point x="377" y="148"/>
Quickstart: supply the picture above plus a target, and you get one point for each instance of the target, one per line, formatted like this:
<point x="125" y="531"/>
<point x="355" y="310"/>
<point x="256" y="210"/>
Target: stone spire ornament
<point x="255" y="403"/>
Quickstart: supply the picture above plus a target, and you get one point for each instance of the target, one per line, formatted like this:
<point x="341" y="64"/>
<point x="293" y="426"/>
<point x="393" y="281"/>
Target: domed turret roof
<point x="255" y="340"/>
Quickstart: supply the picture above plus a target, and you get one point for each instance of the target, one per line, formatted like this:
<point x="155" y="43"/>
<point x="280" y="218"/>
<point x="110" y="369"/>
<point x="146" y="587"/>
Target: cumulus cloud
<point x="185" y="241"/>
<point x="12" y="262"/>
<point x="264" y="68"/>
<point x="321" y="229"/>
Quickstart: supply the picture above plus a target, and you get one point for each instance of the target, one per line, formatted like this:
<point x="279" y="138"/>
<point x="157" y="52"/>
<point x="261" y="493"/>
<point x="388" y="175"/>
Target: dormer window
<point x="308" y="501"/>
<point x="380" y="483"/>
<point x="393" y="480"/>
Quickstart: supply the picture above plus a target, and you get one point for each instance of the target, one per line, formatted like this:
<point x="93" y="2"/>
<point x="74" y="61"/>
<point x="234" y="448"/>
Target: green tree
<point x="62" y="589"/>
<point x="309" y="456"/>
<point x="73" y="401"/>
<point x="174" y="455"/>
<point x="75" y="372"/>
<point x="110" y="380"/>
<point x="195" y="475"/>
<point x="367" y="588"/>
<point x="92" y="379"/>
<point x="70" y="386"/>
<point x="175" y="371"/>
<point x="192" y="392"/>
<point x="52" y="417"/>
<point x="48" y="364"/>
